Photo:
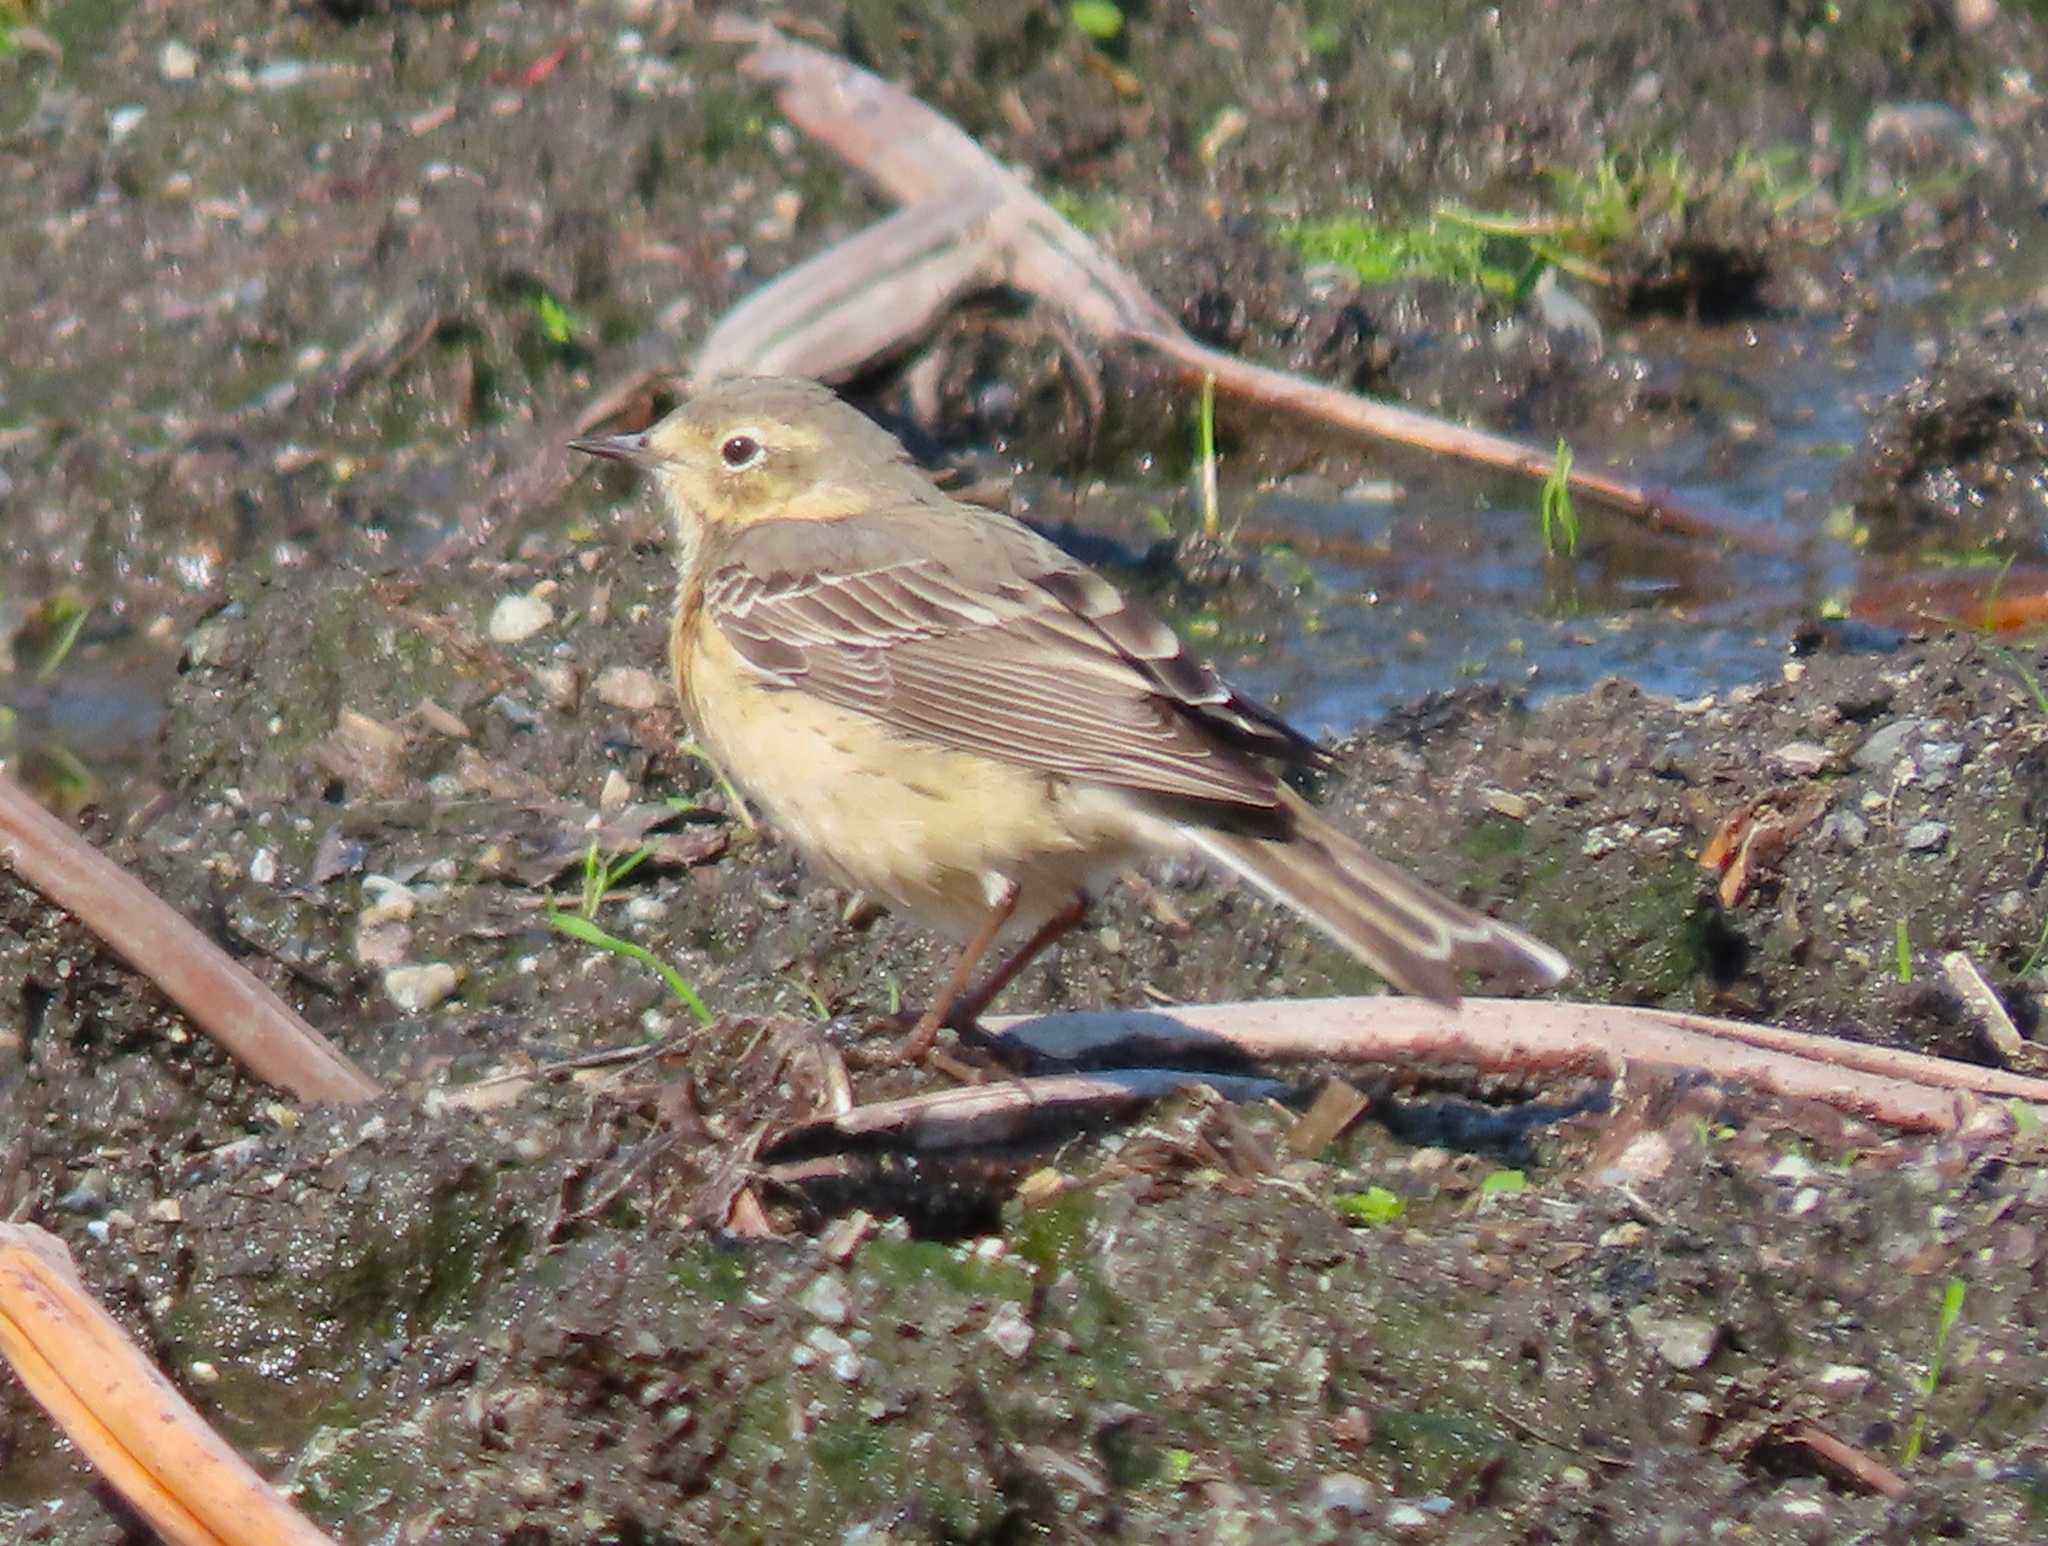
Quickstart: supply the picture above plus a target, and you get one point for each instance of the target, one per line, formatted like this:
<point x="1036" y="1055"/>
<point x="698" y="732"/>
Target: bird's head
<point x="754" y="448"/>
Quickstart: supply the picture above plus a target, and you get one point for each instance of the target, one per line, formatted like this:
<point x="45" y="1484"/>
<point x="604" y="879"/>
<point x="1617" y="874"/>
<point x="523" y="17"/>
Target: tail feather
<point x="1417" y="940"/>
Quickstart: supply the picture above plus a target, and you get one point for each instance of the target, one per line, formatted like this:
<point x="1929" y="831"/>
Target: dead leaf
<point x="1754" y="836"/>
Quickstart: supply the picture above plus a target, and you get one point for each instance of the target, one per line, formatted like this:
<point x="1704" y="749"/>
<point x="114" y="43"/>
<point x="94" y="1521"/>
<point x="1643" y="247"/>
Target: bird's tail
<point x="1414" y="938"/>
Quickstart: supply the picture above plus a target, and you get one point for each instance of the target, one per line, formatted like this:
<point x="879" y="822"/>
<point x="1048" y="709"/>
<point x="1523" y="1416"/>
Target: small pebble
<point x="1682" y="1341"/>
<point x="1009" y="1330"/>
<point x="383" y="945"/>
<point x="176" y="62"/>
<point x="1513" y="806"/>
<point x="1793" y="1167"/>
<point x="1341" y="1492"/>
<point x="416" y="989"/>
<point x="211" y="643"/>
<point x="616" y="791"/>
<point x="826" y="1300"/>
<point x="846" y="1363"/>
<point x="1406" y="1519"/>
<point x="263" y="866"/>
<point x="1926" y="837"/>
<point x="1841" y="1381"/>
<point x="1938" y="764"/>
<point x="515" y="618"/>
<point x="283" y="74"/>
<point x="1883" y="747"/>
<point x="630" y="688"/>
<point x="560" y="685"/>
<point x="515" y="711"/>
<point x="391" y="901"/>
<point x="89" y="1195"/>
<point x="1845" y="830"/>
<point x="1802" y="759"/>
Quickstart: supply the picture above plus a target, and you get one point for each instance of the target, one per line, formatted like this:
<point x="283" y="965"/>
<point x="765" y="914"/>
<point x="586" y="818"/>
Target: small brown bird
<point x="955" y="717"/>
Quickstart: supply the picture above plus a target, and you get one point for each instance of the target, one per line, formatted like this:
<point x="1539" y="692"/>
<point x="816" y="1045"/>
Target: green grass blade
<point x="582" y="930"/>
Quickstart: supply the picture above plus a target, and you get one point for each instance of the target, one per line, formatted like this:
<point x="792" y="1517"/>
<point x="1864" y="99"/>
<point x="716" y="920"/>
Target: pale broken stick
<point x="1005" y="1111"/>
<point x="829" y="321"/>
<point x="259" y="1029"/>
<point x="856" y="303"/>
<point x="125" y="1417"/>
<point x="1981" y="999"/>
<point x="1906" y="1090"/>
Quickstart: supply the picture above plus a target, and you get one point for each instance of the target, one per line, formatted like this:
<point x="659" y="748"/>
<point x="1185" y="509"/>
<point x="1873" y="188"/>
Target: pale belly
<point x="931" y="831"/>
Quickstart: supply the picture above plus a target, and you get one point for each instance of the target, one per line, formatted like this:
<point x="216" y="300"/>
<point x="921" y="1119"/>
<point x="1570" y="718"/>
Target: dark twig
<point x="1841" y="1459"/>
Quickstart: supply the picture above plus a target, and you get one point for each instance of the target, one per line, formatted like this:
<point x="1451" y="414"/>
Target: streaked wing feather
<point x="1188" y="679"/>
<point x="998" y="659"/>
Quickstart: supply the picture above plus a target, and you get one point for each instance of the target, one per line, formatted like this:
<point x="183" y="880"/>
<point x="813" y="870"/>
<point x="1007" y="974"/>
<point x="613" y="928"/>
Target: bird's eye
<point x="740" y="451"/>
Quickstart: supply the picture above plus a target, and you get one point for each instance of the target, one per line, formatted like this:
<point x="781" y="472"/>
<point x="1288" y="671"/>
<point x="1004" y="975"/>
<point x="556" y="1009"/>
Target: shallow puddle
<point x="1430" y="576"/>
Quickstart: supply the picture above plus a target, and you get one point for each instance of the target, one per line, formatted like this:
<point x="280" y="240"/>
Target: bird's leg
<point x="926" y="1031"/>
<point x="969" y="1006"/>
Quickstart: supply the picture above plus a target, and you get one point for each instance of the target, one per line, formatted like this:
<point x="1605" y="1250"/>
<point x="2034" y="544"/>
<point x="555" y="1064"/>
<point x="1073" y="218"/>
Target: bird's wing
<point x="968" y="629"/>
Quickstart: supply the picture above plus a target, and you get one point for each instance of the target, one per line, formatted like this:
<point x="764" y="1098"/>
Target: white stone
<point x="826" y="1300"/>
<point x="1682" y="1341"/>
<point x="630" y="688"/>
<point x="391" y="901"/>
<point x="1793" y="1167"/>
<point x="384" y="945"/>
<point x="1009" y="1330"/>
<point x="516" y="618"/>
<point x="1802" y="759"/>
<point x="1841" y="1381"/>
<point x="417" y="989"/>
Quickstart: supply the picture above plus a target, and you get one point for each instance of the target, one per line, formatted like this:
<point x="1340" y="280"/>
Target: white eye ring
<point x="741" y="450"/>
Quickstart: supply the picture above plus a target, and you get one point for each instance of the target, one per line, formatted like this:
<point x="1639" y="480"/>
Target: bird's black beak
<point x="615" y="448"/>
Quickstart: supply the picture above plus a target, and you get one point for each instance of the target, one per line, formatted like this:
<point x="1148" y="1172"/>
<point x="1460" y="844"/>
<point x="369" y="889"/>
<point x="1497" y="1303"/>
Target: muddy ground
<point x="279" y="285"/>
